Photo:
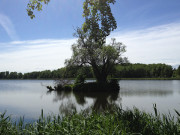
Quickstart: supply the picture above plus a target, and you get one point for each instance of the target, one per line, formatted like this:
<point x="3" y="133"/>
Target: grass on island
<point x="120" y="122"/>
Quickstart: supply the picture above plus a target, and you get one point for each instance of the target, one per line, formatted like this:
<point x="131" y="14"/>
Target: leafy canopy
<point x="91" y="47"/>
<point x="35" y="5"/>
<point x="99" y="20"/>
<point x="87" y="52"/>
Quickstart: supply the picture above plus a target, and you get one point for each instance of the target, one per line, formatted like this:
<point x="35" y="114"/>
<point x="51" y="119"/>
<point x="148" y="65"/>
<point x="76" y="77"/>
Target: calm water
<point x="27" y="98"/>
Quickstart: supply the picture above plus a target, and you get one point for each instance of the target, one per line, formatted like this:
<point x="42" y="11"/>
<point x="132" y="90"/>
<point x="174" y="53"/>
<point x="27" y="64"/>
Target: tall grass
<point x="120" y="122"/>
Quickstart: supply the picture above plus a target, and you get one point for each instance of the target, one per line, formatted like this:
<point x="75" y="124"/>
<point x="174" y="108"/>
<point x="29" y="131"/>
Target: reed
<point x="120" y="122"/>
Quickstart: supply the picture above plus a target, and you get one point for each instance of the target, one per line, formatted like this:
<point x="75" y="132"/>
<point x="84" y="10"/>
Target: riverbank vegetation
<point x="124" y="71"/>
<point x="119" y="121"/>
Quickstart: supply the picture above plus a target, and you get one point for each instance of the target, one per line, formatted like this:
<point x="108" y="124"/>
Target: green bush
<point x="94" y="86"/>
<point x="59" y="87"/>
<point x="80" y="79"/>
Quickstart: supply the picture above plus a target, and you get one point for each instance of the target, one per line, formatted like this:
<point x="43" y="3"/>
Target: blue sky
<point x="149" y="28"/>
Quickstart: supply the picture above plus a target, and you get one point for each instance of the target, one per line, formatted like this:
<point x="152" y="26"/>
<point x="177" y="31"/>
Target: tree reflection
<point x="102" y="101"/>
<point x="60" y="95"/>
<point x="67" y="108"/>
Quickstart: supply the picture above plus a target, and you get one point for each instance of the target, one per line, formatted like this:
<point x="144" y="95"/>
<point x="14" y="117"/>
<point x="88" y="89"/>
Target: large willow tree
<point x="91" y="47"/>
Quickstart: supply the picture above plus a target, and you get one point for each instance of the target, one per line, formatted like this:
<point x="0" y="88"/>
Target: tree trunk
<point x="99" y="72"/>
<point x="100" y="76"/>
<point x="102" y="79"/>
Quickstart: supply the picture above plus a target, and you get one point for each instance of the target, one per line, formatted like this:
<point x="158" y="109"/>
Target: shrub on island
<point x="112" y="85"/>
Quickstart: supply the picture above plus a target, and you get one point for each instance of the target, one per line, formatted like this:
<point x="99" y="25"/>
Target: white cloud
<point x="159" y="44"/>
<point x="8" y="26"/>
<point x="26" y="56"/>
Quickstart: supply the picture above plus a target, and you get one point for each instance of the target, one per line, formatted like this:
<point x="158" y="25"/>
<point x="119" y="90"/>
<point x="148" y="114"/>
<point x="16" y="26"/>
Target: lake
<point x="27" y="98"/>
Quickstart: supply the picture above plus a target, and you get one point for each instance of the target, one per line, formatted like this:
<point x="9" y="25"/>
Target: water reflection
<point x="67" y="108"/>
<point x="60" y="95"/>
<point x="28" y="97"/>
<point x="102" y="101"/>
<point x="154" y="93"/>
<point x="153" y="88"/>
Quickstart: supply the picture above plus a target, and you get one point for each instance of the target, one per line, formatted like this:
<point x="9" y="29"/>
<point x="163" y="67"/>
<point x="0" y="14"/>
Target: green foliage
<point x="119" y="122"/>
<point x="63" y="87"/>
<point x="91" y="48"/>
<point x="143" y="71"/>
<point x="10" y="75"/>
<point x="96" y="87"/>
<point x="178" y="71"/>
<point x="80" y="79"/>
<point x="101" y="59"/>
<point x="99" y="20"/>
<point x="119" y="71"/>
<point x="35" y="5"/>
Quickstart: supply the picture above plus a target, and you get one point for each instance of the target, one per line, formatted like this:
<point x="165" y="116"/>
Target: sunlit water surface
<point x="27" y="98"/>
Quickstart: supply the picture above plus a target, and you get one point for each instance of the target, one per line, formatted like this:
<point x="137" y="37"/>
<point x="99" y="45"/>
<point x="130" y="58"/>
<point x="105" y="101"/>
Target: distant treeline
<point x="120" y="71"/>
<point x="145" y="71"/>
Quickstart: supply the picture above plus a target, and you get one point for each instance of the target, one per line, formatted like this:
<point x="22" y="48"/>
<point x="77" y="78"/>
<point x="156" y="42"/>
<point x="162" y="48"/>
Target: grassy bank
<point x="119" y="122"/>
